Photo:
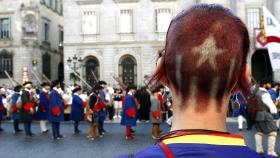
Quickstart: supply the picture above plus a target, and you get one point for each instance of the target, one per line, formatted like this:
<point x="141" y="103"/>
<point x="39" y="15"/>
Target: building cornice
<point x="126" y="1"/>
<point x="85" y="2"/>
<point x="7" y="13"/>
<point x="163" y="0"/>
<point x="112" y="43"/>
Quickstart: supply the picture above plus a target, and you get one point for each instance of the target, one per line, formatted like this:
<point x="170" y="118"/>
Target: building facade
<point x="122" y="37"/>
<point x="31" y="40"/>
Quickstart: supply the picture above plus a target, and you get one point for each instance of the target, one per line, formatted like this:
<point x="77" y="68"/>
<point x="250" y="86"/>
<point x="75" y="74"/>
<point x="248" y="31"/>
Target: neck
<point x="189" y="118"/>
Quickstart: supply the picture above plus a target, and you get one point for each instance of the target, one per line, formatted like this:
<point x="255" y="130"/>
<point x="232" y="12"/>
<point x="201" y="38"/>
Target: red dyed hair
<point x="179" y="66"/>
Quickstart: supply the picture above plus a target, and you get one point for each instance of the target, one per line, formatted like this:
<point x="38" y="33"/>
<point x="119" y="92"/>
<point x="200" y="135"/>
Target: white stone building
<point x="123" y="37"/>
<point x="31" y="38"/>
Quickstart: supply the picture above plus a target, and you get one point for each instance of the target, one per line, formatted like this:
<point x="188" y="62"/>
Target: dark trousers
<point x="111" y="112"/>
<point x="16" y="125"/>
<point x="76" y="126"/>
<point x="27" y="128"/>
<point x="100" y="127"/>
<point x="56" y="129"/>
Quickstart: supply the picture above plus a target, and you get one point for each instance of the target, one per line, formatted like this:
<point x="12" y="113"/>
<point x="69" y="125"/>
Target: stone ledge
<point x="163" y="0"/>
<point x="126" y="1"/>
<point x="84" y="2"/>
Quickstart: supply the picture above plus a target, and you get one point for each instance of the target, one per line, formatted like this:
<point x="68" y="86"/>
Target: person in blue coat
<point x="274" y="91"/>
<point x="15" y="110"/>
<point x="56" y="110"/>
<point x="43" y="108"/>
<point x="1" y="111"/>
<point x="241" y="112"/>
<point x="129" y="114"/>
<point x="103" y="112"/>
<point x="77" y="109"/>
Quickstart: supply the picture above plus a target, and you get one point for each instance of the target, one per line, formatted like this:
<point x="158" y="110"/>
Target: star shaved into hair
<point x="208" y="51"/>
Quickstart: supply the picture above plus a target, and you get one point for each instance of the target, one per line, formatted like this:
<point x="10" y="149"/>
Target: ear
<point x="160" y="71"/>
<point x="244" y="82"/>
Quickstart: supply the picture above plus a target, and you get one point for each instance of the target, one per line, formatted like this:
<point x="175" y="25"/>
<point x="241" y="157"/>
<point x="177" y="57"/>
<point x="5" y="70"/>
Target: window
<point x="47" y="2"/>
<point x="253" y="18"/>
<point x="6" y="63"/>
<point x="89" y="22"/>
<point x="126" y="21"/>
<point x="51" y="4"/>
<point x="128" y="69"/>
<point x="163" y="19"/>
<point x="46" y="32"/>
<point x="92" y="70"/>
<point x="46" y="65"/>
<point x="55" y="5"/>
<point x="61" y="36"/>
<point x="61" y="8"/>
<point x="5" y="28"/>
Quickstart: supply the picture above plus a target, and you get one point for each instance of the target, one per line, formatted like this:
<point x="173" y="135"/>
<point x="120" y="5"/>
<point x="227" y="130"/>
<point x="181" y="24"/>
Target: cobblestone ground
<point x="77" y="146"/>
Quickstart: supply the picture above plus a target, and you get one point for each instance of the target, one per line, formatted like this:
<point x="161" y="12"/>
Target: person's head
<point x="85" y="92"/>
<point x="28" y="85"/>
<point x="46" y="86"/>
<point x="276" y="85"/>
<point x="160" y="89"/>
<point x="102" y="84"/>
<point x="265" y="84"/>
<point x="155" y="91"/>
<point x="96" y="88"/>
<point x="205" y="56"/>
<point x="132" y="89"/>
<point x="17" y="88"/>
<point x="77" y="90"/>
<point x="56" y="84"/>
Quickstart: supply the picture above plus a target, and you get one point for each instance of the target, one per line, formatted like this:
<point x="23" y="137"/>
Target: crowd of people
<point x="267" y="116"/>
<point x="49" y="103"/>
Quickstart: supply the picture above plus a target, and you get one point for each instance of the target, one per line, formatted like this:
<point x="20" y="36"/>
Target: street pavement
<point x="77" y="146"/>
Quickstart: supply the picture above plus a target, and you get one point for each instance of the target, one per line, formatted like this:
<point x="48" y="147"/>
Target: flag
<point x="272" y="32"/>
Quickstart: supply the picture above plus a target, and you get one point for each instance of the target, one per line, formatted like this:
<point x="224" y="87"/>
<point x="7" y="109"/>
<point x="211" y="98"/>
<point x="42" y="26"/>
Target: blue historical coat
<point x="15" y="114"/>
<point x="56" y="101"/>
<point x="128" y="104"/>
<point x="102" y="113"/>
<point x="243" y="106"/>
<point x="201" y="146"/>
<point x="77" y="110"/>
<point x="273" y="94"/>
<point x="43" y="108"/>
<point x="2" y="106"/>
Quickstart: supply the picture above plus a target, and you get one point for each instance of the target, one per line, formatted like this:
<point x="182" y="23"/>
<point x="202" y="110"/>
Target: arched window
<point x="92" y="69"/>
<point x="128" y="69"/>
<point x="46" y="64"/>
<point x="6" y="63"/>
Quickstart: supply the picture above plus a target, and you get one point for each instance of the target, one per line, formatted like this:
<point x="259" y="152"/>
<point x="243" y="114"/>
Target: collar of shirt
<point x="212" y="138"/>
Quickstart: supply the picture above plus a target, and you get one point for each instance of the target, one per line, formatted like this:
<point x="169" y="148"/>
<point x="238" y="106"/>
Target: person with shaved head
<point x="203" y="64"/>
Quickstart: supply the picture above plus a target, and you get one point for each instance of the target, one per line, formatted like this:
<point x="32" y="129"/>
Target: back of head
<point x="205" y="52"/>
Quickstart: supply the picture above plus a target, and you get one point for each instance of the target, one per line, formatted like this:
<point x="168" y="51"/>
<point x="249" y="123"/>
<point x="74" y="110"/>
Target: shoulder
<point x="54" y="93"/>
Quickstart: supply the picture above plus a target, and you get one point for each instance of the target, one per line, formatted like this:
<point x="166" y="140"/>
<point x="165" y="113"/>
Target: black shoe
<point x="77" y="131"/>
<point x="104" y="131"/>
<point x="46" y="131"/>
<point x="240" y="129"/>
<point x="1" y="129"/>
<point x="60" y="136"/>
<point x="19" y="130"/>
